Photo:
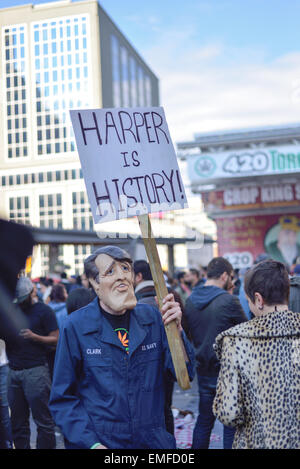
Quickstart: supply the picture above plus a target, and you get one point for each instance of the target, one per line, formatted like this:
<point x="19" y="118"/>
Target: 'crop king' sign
<point x="128" y="162"/>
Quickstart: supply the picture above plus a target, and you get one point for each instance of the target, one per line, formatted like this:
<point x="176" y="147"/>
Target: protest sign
<point x="128" y="162"/>
<point x="130" y="169"/>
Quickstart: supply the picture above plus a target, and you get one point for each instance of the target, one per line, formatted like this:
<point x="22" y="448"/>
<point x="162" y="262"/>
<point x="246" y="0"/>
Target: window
<point x="148" y="90"/>
<point x="116" y="71"/>
<point x="141" y="87"/>
<point x="15" y="79"/>
<point x="19" y="209"/>
<point x="59" y="65"/>
<point x="125" y="77"/>
<point x="80" y="253"/>
<point x="50" y="209"/>
<point x="133" y="83"/>
<point x="82" y="215"/>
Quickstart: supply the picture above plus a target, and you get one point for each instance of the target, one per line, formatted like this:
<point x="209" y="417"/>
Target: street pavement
<point x="182" y="400"/>
<point x="189" y="400"/>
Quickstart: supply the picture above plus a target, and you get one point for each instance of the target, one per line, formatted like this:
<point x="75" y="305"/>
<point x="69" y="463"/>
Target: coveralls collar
<point x="97" y="323"/>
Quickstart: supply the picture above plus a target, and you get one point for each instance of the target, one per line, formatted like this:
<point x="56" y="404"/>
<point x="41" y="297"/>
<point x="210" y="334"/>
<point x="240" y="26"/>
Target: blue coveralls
<point x="102" y="394"/>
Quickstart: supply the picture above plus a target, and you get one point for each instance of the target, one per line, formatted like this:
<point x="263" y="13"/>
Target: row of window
<point x="16" y="95"/>
<point x="51" y="212"/>
<point x="15" y="53"/>
<point x="81" y="251"/>
<point x="50" y="48"/>
<point x="15" y="81"/>
<point x="62" y="77"/>
<point x="34" y="178"/>
<point x="56" y="32"/>
<point x="16" y="137"/>
<point x="52" y="133"/>
<point x="17" y="151"/>
<point x="131" y="84"/>
<point x="60" y="60"/>
<point x="45" y="258"/>
<point x="19" y="210"/>
<point x="59" y="147"/>
<point x="16" y="109"/>
<point x="15" y="67"/>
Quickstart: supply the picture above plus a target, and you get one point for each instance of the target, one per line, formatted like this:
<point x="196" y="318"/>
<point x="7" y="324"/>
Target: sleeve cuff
<point x="95" y="445"/>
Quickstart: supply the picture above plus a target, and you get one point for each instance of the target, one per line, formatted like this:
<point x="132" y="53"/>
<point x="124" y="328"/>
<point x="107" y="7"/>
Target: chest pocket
<point x="150" y="368"/>
<point x="99" y="374"/>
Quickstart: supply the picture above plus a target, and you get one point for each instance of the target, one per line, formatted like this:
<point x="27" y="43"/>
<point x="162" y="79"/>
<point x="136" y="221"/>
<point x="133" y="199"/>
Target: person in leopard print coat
<point x="258" y="389"/>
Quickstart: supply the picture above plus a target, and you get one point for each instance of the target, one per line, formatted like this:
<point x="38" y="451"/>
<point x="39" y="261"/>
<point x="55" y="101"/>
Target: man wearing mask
<point x="211" y="309"/>
<point x="107" y="389"/>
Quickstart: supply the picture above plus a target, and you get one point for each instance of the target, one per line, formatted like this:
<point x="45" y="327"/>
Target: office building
<point x="55" y="57"/>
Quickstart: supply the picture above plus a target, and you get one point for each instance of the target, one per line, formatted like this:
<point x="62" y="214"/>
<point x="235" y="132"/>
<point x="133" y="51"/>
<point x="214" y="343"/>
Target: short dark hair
<point x="78" y="298"/>
<point x="217" y="266"/>
<point x="269" y="278"/>
<point x="90" y="268"/>
<point x="142" y="267"/>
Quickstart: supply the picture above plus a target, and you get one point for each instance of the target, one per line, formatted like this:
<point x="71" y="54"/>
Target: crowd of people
<point x="94" y="360"/>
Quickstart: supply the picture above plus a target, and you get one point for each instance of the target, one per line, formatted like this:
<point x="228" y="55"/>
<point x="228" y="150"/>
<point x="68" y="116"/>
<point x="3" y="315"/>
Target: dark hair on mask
<point x="90" y="268"/>
<point x="269" y="278"/>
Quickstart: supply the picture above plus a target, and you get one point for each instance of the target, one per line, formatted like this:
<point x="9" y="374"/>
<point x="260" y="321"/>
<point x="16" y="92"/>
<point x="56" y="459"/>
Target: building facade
<point x="249" y="181"/>
<point x="56" y="57"/>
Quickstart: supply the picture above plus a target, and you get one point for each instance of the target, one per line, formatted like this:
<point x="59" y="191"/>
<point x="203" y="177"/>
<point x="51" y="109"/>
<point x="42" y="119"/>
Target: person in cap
<point x="28" y="379"/>
<point x="107" y="389"/>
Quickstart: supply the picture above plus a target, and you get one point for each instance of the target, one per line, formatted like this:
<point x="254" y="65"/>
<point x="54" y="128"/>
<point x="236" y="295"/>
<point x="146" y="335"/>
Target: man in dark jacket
<point x="143" y="282"/>
<point x="107" y="389"/>
<point x="210" y="309"/>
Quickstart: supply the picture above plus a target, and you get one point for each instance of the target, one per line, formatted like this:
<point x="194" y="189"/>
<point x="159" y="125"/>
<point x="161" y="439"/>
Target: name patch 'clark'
<point x="93" y="351"/>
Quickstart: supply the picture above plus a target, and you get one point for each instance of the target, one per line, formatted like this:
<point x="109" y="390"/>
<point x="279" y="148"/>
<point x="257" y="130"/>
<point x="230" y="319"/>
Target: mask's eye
<point x="125" y="267"/>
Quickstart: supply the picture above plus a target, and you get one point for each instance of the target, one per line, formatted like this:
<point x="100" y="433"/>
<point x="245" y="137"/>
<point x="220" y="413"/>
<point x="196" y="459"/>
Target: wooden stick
<point x="176" y="346"/>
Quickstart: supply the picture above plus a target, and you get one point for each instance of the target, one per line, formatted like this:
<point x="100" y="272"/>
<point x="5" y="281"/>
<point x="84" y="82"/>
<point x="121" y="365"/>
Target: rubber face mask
<point x="115" y="284"/>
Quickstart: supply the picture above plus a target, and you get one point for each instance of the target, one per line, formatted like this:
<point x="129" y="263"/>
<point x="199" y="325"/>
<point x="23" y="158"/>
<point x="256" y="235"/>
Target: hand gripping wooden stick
<point x="176" y="345"/>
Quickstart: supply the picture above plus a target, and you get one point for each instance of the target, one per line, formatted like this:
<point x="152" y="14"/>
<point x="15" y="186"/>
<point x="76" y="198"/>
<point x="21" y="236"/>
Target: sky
<point x="222" y="64"/>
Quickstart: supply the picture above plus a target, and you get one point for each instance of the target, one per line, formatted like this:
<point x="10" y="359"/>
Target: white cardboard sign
<point x="128" y="162"/>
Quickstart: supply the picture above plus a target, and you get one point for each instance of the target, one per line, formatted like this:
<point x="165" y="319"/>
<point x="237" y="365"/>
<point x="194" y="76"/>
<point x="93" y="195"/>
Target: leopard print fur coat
<point x="258" y="389"/>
